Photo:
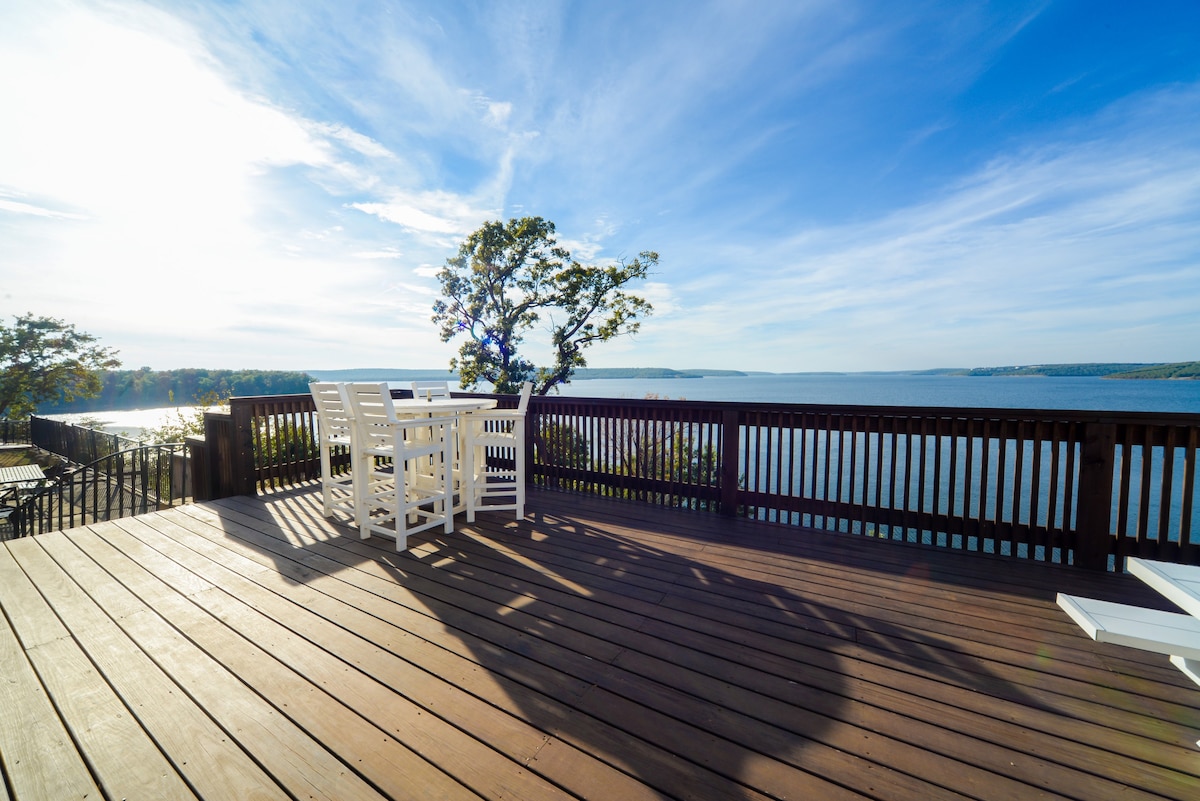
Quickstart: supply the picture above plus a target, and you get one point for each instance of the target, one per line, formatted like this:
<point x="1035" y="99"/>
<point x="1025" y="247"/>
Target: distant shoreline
<point x="168" y="388"/>
<point x="1121" y="370"/>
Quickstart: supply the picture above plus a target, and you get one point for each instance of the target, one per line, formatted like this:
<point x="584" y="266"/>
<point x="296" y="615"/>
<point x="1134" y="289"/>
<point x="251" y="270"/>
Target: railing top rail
<point x="848" y="410"/>
<point x="945" y="412"/>
<point x="146" y="446"/>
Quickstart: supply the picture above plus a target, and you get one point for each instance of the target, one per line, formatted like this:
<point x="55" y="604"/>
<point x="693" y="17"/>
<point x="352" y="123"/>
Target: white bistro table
<point x="440" y="407"/>
<point x="1176" y="635"/>
<point x="445" y="407"/>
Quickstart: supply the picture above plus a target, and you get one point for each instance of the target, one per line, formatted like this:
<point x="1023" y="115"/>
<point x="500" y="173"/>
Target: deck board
<point x="599" y="649"/>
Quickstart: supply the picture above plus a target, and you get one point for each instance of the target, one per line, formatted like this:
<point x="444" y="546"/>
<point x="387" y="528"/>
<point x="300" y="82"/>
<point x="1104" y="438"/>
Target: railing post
<point x="218" y="438"/>
<point x="201" y="457"/>
<point x="1093" y="531"/>
<point x="242" y="455"/>
<point x="730" y="442"/>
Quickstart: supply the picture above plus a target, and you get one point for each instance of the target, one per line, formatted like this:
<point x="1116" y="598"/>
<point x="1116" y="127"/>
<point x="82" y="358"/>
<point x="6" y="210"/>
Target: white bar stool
<point x="500" y="434"/>
<point x="416" y="492"/>
<point x="335" y="434"/>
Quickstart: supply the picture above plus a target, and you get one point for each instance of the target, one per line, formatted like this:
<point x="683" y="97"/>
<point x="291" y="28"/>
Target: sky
<point x="830" y="185"/>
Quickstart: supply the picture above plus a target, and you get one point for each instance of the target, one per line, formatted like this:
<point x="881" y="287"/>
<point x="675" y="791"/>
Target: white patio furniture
<point x="493" y="450"/>
<point x="426" y="390"/>
<point x="404" y="484"/>
<point x="1171" y="633"/>
<point x="441" y="407"/>
<point x="335" y="435"/>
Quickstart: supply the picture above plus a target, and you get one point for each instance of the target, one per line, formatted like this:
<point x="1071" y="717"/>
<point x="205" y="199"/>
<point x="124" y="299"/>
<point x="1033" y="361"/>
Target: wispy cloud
<point x="10" y="203"/>
<point x="1045" y="252"/>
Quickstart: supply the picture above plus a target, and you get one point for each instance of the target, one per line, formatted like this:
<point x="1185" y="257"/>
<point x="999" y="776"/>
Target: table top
<point x="1180" y="584"/>
<point x="441" y="405"/>
<point x="21" y="473"/>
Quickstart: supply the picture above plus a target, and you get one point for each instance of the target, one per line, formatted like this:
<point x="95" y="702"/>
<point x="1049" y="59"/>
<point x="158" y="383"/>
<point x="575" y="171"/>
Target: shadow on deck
<point x="597" y="649"/>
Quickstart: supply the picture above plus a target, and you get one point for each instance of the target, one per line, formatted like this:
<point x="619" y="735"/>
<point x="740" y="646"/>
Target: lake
<point x="1025" y="392"/>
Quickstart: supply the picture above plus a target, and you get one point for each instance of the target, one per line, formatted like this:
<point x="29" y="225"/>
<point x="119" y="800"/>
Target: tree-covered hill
<point x="1177" y="370"/>
<point x="1061" y="370"/>
<point x="1100" y="369"/>
<point x="145" y="388"/>
<point x="585" y="373"/>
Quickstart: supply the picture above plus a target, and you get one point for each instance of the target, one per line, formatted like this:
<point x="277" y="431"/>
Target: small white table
<point x="445" y="407"/>
<point x="21" y="474"/>
<point x="441" y="407"/>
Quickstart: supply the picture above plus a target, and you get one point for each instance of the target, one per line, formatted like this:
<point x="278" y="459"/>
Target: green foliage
<point x="182" y="424"/>
<point x="562" y="445"/>
<point x="1100" y="369"/>
<point x="1164" y="371"/>
<point x="43" y="359"/>
<point x="664" y="450"/>
<point x="282" y="441"/>
<point x="508" y="277"/>
<point x="1058" y="370"/>
<point x="146" y="388"/>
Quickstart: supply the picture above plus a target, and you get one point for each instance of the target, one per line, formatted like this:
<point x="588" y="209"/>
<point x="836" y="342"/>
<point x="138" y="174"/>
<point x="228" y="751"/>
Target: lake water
<point x="128" y="422"/>
<point x="853" y="389"/>
<point x="914" y="390"/>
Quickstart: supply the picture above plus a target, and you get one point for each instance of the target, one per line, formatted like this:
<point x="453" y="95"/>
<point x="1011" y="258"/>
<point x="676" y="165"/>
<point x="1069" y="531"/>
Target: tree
<point x="506" y="278"/>
<point x="43" y="359"/>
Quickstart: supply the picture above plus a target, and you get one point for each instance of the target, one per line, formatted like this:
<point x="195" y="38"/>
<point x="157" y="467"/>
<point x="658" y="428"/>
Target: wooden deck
<point x="249" y="648"/>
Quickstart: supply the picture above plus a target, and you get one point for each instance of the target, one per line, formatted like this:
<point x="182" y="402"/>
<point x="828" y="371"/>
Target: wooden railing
<point x="1086" y="488"/>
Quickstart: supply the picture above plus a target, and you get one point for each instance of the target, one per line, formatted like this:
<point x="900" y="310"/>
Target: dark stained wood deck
<point x="248" y="648"/>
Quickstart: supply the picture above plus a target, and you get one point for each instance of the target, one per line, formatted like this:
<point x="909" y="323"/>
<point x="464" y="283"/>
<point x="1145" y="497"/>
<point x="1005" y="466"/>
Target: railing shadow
<point x="658" y="662"/>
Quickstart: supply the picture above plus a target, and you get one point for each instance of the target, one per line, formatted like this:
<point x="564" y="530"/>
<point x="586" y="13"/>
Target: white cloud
<point x="428" y="212"/>
<point x="10" y="204"/>
<point x="385" y="253"/>
<point x="497" y="113"/>
<point x="361" y="144"/>
<point x="161" y="166"/>
<point x="1053" y="252"/>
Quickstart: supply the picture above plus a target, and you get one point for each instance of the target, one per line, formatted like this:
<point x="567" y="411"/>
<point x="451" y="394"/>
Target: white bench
<point x="1171" y="633"/>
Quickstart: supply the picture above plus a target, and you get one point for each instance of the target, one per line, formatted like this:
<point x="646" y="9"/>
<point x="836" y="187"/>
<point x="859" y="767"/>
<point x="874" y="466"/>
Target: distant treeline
<point x="392" y="374"/>
<point x="583" y="374"/>
<point x="586" y="373"/>
<point x="1178" y="370"/>
<point x="145" y="389"/>
<point x="1099" y="369"/>
<point x="1061" y="370"/>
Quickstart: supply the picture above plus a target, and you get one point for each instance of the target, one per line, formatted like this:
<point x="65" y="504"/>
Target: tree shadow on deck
<point x="690" y="672"/>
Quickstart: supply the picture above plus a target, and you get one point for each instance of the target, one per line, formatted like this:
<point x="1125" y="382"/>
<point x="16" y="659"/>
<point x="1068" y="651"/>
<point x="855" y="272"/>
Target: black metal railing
<point x="99" y="476"/>
<point x="14" y="432"/>
<point x="129" y="482"/>
<point x="78" y="444"/>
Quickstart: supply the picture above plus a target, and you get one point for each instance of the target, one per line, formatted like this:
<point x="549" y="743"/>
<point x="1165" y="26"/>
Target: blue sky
<point x="830" y="185"/>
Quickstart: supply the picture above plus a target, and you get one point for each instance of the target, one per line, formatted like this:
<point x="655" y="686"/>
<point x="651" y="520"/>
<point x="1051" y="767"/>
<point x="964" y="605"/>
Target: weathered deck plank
<point x="600" y="649"/>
